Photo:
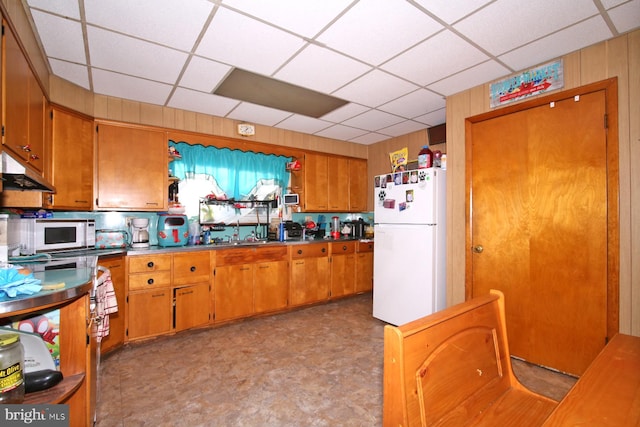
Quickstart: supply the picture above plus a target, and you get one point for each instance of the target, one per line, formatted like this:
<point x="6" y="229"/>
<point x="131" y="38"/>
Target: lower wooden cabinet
<point x="343" y="268"/>
<point x="191" y="306"/>
<point x="233" y="292"/>
<point x="271" y="286"/>
<point x="364" y="267"/>
<point x="150" y="313"/>
<point x="115" y="339"/>
<point x="310" y="274"/>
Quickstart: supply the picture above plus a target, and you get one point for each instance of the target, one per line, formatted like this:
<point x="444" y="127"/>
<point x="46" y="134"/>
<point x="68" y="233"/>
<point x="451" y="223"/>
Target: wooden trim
<point x="610" y="86"/>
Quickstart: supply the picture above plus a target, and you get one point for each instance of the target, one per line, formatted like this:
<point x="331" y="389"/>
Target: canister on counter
<point x="11" y="368"/>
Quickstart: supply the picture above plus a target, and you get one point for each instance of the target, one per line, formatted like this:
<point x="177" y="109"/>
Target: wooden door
<point x="338" y="187"/>
<point x="316" y="182"/>
<point x="115" y="339"/>
<point x="149" y="313"/>
<point x="233" y="292"/>
<point x="71" y="161"/>
<point x="358" y="190"/>
<point x="271" y="286"/>
<point x="539" y="227"/>
<point x="191" y="306"/>
<point x="364" y="272"/>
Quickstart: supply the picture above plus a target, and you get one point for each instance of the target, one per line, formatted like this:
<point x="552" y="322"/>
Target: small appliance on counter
<point x="139" y="232"/>
<point x="111" y="239"/>
<point x="173" y="230"/>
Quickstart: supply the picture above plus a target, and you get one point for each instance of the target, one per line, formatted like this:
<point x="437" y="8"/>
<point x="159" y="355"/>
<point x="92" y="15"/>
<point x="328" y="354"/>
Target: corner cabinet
<point x="132" y="169"/>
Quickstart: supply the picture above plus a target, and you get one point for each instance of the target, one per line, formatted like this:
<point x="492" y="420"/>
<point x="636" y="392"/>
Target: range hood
<point x="16" y="175"/>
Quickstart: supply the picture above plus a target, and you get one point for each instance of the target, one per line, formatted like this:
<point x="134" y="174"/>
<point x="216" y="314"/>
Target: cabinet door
<point x="36" y="105"/>
<point x="233" y="292"/>
<point x="16" y="91"/>
<point x="149" y="313"/>
<point x="343" y="275"/>
<point x="115" y="338"/>
<point x="271" y="286"/>
<point x="71" y="161"/>
<point x="190" y="268"/>
<point x="364" y="272"/>
<point x="338" y="187"/>
<point x="132" y="168"/>
<point x="358" y="189"/>
<point x="310" y="279"/>
<point x="316" y="182"/>
<point x="191" y="306"/>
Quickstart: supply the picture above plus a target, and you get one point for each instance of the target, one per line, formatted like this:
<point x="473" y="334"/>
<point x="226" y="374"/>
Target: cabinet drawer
<point x="147" y="263"/>
<point x="158" y="279"/>
<point x="310" y="251"/>
<point x="365" y="247"/>
<point x="192" y="267"/>
<point x="338" y="248"/>
<point x="251" y="255"/>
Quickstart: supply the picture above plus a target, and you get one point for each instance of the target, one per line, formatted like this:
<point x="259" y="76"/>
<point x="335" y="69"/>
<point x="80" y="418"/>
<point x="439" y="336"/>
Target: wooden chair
<point x="453" y="368"/>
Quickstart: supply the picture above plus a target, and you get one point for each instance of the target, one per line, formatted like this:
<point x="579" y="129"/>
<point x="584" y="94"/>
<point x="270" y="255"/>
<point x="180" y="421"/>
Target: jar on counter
<point x="11" y="369"/>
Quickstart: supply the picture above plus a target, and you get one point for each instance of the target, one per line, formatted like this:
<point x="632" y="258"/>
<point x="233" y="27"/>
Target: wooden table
<point x="608" y="393"/>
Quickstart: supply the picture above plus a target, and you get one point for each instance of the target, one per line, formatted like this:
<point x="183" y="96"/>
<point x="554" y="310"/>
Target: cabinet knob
<point x="324" y="250"/>
<point x="344" y="248"/>
<point x="150" y="264"/>
<point x="193" y="268"/>
<point x="478" y="249"/>
<point x="150" y="281"/>
<point x="299" y="251"/>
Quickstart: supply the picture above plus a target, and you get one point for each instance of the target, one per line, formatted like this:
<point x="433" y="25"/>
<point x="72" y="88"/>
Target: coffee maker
<point x="139" y="232"/>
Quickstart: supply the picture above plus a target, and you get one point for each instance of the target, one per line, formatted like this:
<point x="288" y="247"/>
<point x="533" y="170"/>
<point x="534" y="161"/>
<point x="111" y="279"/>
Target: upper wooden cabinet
<point x="132" y="168"/>
<point x="71" y="168"/>
<point x="24" y="104"/>
<point x="331" y="183"/>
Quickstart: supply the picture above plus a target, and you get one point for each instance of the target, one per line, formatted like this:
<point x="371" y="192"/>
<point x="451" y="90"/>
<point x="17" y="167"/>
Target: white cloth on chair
<point x="106" y="304"/>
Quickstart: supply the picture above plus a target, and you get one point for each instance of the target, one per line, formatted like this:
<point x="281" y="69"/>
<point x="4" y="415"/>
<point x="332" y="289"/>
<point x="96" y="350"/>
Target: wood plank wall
<point x="619" y="57"/>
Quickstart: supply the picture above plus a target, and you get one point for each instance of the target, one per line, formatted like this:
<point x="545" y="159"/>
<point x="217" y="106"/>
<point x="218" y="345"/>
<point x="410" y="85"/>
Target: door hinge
<point x="2" y="130"/>
<point x="606" y="121"/>
<point x="88" y="340"/>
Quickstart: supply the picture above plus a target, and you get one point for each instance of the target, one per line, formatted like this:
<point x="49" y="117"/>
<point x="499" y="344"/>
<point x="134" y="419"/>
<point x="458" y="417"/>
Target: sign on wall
<point x="532" y="82"/>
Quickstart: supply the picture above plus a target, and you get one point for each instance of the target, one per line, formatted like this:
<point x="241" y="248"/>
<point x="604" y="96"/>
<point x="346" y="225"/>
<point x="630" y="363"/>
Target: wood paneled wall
<point x="619" y="57"/>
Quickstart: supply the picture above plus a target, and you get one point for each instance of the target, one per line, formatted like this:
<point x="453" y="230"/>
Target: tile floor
<point x="318" y="366"/>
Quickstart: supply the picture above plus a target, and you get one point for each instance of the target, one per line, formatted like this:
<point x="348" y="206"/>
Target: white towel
<point x="106" y="304"/>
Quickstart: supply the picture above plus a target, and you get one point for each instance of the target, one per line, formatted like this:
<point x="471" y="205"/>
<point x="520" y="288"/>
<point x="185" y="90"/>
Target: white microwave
<point x="49" y="235"/>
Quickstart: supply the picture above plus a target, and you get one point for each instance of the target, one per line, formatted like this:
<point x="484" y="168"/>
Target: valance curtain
<point x="236" y="172"/>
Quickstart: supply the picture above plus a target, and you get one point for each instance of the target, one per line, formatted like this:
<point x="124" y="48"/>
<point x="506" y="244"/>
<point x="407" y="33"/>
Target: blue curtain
<point x="236" y="172"/>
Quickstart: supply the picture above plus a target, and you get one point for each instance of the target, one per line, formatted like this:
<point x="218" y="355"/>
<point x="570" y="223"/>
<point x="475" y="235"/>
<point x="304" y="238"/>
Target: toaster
<point x="173" y="230"/>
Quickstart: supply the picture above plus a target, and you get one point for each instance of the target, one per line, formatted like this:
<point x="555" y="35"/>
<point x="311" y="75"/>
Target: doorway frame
<point x="610" y="87"/>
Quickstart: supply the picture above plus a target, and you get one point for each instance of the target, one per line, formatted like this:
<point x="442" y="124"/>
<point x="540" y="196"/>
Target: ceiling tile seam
<point x="85" y="39"/>
<point x="607" y="19"/>
<point x="444" y="23"/>
<point x="36" y="35"/>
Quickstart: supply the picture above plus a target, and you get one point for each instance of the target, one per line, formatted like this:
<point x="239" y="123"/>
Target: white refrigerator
<point x="409" y="269"/>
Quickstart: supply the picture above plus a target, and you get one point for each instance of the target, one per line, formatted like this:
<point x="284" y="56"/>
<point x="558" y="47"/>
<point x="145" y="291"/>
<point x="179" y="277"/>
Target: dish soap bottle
<point x="425" y="158"/>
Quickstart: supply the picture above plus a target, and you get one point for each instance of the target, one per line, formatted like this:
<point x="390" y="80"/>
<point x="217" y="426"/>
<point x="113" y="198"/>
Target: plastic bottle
<point x="11" y="369"/>
<point x="425" y="158"/>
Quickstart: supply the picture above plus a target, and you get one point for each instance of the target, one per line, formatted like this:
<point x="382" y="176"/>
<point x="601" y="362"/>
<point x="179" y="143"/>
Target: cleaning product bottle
<point x="425" y="158"/>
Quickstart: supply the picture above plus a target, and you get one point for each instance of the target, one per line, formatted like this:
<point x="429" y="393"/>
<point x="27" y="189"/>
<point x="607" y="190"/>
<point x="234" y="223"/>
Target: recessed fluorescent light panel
<point x="246" y="86"/>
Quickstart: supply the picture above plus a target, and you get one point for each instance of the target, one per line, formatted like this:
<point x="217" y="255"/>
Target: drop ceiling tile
<point x="61" y="38"/>
<point x="306" y="18"/>
<point x="342" y="132"/>
<point x="203" y="74"/>
<point x="474" y="76"/>
<point x="75" y="73"/>
<point x="432" y="60"/>
<point x="373" y="120"/>
<point x="434" y="118"/>
<point x="451" y="11"/>
<point x="67" y="8"/>
<point x="375" y="88"/>
<point x="402" y="128"/>
<point x="115" y="52"/>
<point x="249" y="112"/>
<point x="126" y="87"/>
<point x="167" y="22"/>
<point x="199" y="102"/>
<point x="364" y="31"/>
<point x="321" y="69"/>
<point x="299" y="123"/>
<point x="608" y="4"/>
<point x="369" y="138"/>
<point x="571" y="39"/>
<point x="505" y="24"/>
<point x="345" y="112"/>
<point x="626" y="17"/>
<point x="414" y="104"/>
<point x="234" y="39"/>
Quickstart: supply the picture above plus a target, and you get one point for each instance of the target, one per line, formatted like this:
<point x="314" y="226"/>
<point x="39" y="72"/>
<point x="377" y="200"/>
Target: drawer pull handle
<point x="150" y="264"/>
<point x="157" y="295"/>
<point x="193" y="268"/>
<point x="150" y="281"/>
<point x="186" y="292"/>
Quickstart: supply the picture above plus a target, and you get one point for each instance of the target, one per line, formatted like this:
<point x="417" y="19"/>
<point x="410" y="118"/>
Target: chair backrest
<point x="445" y="368"/>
